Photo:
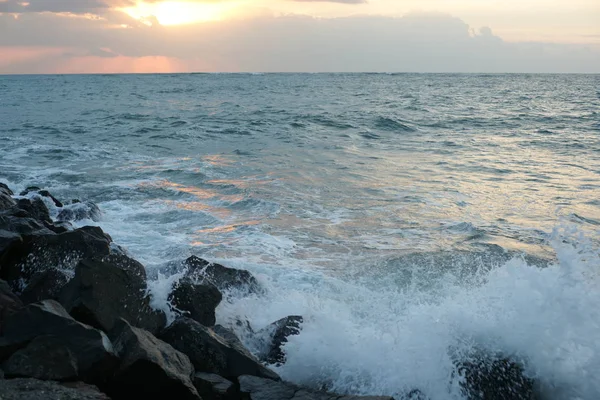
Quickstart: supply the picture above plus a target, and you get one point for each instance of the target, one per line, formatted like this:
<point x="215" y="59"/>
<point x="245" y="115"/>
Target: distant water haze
<point x="402" y="215"/>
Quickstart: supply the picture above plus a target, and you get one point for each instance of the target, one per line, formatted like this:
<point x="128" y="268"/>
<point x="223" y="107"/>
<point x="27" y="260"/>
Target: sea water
<point x="406" y="217"/>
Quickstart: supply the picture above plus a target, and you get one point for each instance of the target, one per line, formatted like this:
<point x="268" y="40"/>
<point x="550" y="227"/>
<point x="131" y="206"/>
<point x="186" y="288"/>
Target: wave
<point x="384" y="339"/>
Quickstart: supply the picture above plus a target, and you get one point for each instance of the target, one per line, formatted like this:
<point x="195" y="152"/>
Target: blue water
<point x="402" y="215"/>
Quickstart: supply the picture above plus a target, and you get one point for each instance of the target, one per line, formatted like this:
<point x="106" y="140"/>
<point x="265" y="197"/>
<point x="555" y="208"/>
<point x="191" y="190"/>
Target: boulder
<point x="212" y="386"/>
<point x="255" y="388"/>
<point x="36" y="208"/>
<point x="5" y="189"/>
<point x="45" y="285"/>
<point x="209" y="352"/>
<point x="43" y="193"/>
<point x="150" y="368"/>
<point x="35" y="253"/>
<point x="491" y="377"/>
<point x="91" y="347"/>
<point x="33" y="389"/>
<point x="46" y="358"/>
<point x="9" y="303"/>
<point x="78" y="211"/>
<point x="222" y="277"/>
<point x="198" y="301"/>
<point x="277" y="334"/>
<point x="101" y="292"/>
<point x="6" y="200"/>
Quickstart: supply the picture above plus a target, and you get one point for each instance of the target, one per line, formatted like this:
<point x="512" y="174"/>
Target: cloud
<point x="333" y="1"/>
<point x="413" y="43"/>
<point x="59" y="6"/>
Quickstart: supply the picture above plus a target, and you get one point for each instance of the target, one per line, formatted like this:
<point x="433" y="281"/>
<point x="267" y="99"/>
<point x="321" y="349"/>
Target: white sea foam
<point x="386" y="341"/>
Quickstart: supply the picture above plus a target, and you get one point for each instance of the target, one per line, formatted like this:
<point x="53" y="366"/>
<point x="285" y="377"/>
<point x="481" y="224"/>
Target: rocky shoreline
<point x="76" y="322"/>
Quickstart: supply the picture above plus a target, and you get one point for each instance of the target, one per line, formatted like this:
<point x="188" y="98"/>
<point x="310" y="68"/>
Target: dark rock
<point x="19" y="222"/>
<point x="9" y="303"/>
<point x="35" y="253"/>
<point x="255" y="388"/>
<point x="5" y="189"/>
<point x="92" y="348"/>
<point x="33" y="389"/>
<point x="43" y="193"/>
<point x="212" y="386"/>
<point x="198" y="301"/>
<point x="45" y="285"/>
<point x="45" y="357"/>
<point x="1" y="374"/>
<point x="150" y="368"/>
<point x="488" y="377"/>
<point x="209" y="352"/>
<point x="78" y="211"/>
<point x="6" y="200"/>
<point x="278" y="333"/>
<point x="59" y="227"/>
<point x="222" y="277"/>
<point x="36" y="208"/>
<point x="104" y="291"/>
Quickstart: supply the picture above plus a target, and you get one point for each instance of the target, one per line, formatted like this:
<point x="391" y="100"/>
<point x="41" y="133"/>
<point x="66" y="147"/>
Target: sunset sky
<point x="89" y="36"/>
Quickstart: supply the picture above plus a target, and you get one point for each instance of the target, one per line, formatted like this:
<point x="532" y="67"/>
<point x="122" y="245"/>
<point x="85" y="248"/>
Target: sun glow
<point x="179" y="12"/>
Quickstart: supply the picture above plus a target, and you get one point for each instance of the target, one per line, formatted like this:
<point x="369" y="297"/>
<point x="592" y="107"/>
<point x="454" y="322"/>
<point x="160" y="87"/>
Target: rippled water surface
<point x="402" y="215"/>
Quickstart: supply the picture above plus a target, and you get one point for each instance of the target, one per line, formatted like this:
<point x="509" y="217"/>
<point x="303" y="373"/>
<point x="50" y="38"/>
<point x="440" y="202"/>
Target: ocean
<point x="404" y="216"/>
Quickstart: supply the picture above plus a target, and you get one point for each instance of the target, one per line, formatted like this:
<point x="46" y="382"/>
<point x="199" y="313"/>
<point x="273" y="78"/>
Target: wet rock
<point x="255" y="388"/>
<point x="18" y="222"/>
<point x="6" y="200"/>
<point x="35" y="253"/>
<point x="45" y="357"/>
<point x="33" y="389"/>
<point x="5" y="189"/>
<point x="487" y="377"/>
<point x="278" y="332"/>
<point x="150" y="368"/>
<point x="9" y="303"/>
<point x="36" y="208"/>
<point x="78" y="211"/>
<point x="209" y="352"/>
<point x="92" y="348"/>
<point x="43" y="193"/>
<point x="212" y="386"/>
<point x="197" y="301"/>
<point x="101" y="292"/>
<point x="222" y="277"/>
<point x="45" y="285"/>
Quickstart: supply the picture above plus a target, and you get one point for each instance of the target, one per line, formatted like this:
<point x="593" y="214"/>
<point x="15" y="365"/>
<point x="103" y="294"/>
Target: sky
<point x="144" y="36"/>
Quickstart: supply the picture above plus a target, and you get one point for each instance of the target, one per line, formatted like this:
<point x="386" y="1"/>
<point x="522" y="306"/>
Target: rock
<point x="45" y="285"/>
<point x="150" y="368"/>
<point x="278" y="333"/>
<point x="45" y="357"/>
<point x="488" y="377"/>
<point x="9" y="303"/>
<point x="19" y="222"/>
<point x="36" y="208"/>
<point x="78" y="211"/>
<point x="212" y="386"/>
<point x="104" y="291"/>
<point x="256" y="388"/>
<point x="33" y="389"/>
<point x="6" y="200"/>
<point x="222" y="277"/>
<point x="198" y="301"/>
<point x="5" y="189"/>
<point x="35" y="253"/>
<point x="212" y="353"/>
<point x="92" y="348"/>
<point x="43" y="193"/>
